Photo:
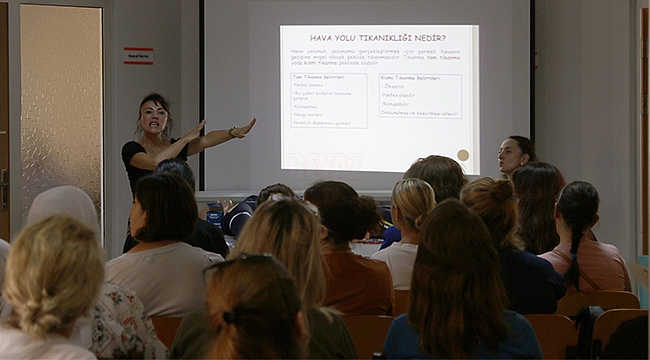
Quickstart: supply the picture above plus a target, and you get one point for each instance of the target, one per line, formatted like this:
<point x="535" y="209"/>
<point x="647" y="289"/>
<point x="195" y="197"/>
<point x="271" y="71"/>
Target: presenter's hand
<point x="194" y="133"/>
<point x="241" y="132"/>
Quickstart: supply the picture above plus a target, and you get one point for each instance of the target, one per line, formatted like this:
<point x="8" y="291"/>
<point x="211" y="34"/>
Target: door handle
<point x="4" y="188"/>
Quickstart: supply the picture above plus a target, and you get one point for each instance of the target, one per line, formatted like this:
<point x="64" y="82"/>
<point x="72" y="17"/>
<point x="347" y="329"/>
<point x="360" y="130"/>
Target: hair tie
<point x="229" y="317"/>
<point x="574" y="256"/>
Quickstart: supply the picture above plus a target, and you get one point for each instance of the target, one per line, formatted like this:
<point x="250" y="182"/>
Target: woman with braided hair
<point x="586" y="264"/>
<point x="411" y="202"/>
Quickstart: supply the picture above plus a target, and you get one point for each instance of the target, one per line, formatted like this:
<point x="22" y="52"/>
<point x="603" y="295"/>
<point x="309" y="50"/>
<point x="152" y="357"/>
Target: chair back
<point x="607" y="324"/>
<point x="166" y="328"/>
<point x="574" y="300"/>
<point x="557" y="335"/>
<point x="401" y="302"/>
<point x="368" y="333"/>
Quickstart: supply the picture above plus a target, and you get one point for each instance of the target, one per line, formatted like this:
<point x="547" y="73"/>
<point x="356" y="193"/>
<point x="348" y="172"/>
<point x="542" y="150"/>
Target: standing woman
<point x="154" y="127"/>
<point x="586" y="264"/>
<point x="411" y="202"/>
<point x="515" y="152"/>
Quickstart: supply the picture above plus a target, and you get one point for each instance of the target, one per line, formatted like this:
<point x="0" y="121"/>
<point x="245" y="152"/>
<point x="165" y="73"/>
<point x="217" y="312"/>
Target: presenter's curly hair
<point x="162" y="102"/>
<point x="253" y="308"/>
<point x="457" y="296"/>
<point x="55" y="270"/>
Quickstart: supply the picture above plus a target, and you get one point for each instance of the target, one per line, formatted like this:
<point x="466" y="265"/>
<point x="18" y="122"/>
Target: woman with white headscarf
<point x="109" y="330"/>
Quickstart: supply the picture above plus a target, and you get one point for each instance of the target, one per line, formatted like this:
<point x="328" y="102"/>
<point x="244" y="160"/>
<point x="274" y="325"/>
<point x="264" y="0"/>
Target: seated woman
<point x="54" y="273"/>
<point x="457" y="308"/>
<point x="207" y="236"/>
<point x="117" y="325"/>
<point x="537" y="186"/>
<point x="446" y="177"/>
<point x="532" y="284"/>
<point x="411" y="202"/>
<point x="163" y="271"/>
<point x="254" y="310"/>
<point x="289" y="230"/>
<point x="355" y="285"/>
<point x="586" y="264"/>
<point x="515" y="152"/>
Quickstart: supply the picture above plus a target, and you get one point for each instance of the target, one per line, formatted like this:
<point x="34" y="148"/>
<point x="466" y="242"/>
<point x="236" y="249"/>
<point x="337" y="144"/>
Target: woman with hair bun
<point x="55" y="271"/>
<point x="411" y="202"/>
<point x="355" y="285"/>
<point x="532" y="284"/>
<point x="254" y="310"/>
<point x="586" y="264"/>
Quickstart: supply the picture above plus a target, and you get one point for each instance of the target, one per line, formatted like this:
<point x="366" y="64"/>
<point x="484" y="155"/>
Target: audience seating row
<point x="556" y="333"/>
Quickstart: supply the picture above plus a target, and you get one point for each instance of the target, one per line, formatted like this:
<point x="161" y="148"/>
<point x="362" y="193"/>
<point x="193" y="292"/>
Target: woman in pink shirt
<point x="586" y="263"/>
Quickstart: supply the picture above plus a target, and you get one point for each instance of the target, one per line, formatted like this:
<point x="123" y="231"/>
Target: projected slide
<point x="375" y="98"/>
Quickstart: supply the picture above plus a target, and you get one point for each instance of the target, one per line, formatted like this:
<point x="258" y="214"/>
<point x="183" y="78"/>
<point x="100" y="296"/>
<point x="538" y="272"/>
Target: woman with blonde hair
<point x="288" y="229"/>
<point x="117" y="325"/>
<point x="532" y="284"/>
<point x="54" y="273"/>
<point x="411" y="202"/>
<point x="254" y="310"/>
<point x="457" y="307"/>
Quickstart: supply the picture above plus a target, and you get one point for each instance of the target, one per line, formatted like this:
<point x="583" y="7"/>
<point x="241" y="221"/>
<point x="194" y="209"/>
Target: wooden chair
<point x="606" y="325"/>
<point x="166" y="328"/>
<point x="368" y="333"/>
<point x="557" y="335"/>
<point x="573" y="301"/>
<point x="401" y="302"/>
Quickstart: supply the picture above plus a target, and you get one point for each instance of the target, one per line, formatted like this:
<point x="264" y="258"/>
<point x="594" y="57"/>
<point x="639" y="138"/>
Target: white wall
<point x="585" y="88"/>
<point x="586" y="120"/>
<point x="141" y="23"/>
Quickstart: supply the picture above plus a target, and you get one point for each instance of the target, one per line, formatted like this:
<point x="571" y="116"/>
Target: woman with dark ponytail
<point x="355" y="285"/>
<point x="585" y="263"/>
